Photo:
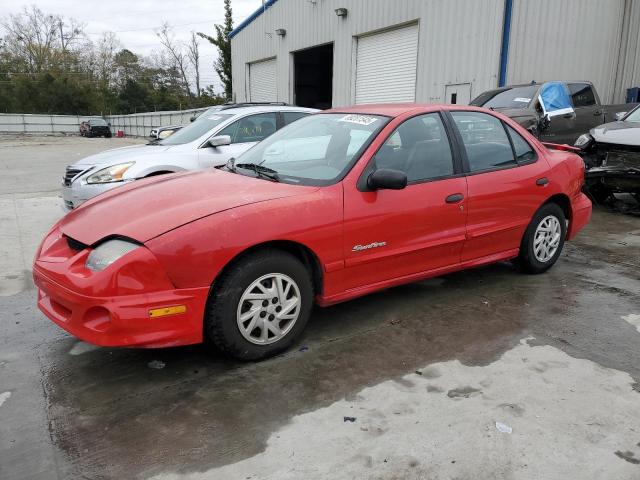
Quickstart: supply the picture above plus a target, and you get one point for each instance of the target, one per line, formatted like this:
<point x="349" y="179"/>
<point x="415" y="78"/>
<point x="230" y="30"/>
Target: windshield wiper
<point x="265" y="172"/>
<point x="231" y="165"/>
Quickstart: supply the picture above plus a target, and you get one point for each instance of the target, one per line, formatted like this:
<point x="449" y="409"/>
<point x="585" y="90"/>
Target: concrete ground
<point x="481" y="374"/>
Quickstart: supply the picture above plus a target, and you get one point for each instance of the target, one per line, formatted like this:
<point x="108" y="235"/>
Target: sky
<point x="136" y="21"/>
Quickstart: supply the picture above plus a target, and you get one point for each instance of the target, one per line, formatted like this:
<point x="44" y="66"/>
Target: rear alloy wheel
<point x="543" y="240"/>
<point x="259" y="306"/>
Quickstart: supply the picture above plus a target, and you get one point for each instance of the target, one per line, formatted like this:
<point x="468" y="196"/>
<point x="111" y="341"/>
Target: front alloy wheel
<point x="259" y="305"/>
<point x="268" y="308"/>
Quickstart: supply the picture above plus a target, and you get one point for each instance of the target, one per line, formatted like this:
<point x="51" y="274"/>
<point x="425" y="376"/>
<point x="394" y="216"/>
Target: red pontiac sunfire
<point x="334" y="206"/>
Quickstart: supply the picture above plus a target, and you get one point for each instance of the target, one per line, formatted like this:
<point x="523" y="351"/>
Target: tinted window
<point x="419" y="147"/>
<point x="290" y="117"/>
<point x="253" y="128"/>
<point x="582" y="94"/>
<point x="516" y="97"/>
<point x="524" y="152"/>
<point x="485" y="140"/>
<point x="97" y="122"/>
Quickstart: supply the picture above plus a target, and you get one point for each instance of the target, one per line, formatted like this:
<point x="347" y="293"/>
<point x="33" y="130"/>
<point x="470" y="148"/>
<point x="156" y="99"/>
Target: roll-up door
<point x="262" y="81"/>
<point x="386" y="65"/>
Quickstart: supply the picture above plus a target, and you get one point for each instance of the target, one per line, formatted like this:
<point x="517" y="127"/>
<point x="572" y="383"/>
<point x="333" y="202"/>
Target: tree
<point x="193" y="52"/>
<point x="221" y="40"/>
<point x="39" y="42"/>
<point x="174" y="51"/>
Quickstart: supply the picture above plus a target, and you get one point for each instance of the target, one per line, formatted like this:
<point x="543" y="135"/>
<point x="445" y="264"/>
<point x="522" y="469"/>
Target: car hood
<point x="619" y="133"/>
<point x="123" y="154"/>
<point x="147" y="208"/>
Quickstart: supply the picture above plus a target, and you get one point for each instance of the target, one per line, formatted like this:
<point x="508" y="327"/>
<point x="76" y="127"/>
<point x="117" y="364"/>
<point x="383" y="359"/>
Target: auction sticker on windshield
<point x="359" y="119"/>
<point x="522" y="99"/>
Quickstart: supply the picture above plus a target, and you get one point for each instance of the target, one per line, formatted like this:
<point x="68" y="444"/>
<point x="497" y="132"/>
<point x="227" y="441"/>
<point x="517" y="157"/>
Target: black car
<point x="95" y="127"/>
<point x="523" y="104"/>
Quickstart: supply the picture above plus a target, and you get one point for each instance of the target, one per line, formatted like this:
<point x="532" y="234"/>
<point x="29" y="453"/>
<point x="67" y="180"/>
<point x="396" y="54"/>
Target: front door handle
<point x="454" y="198"/>
<point x="541" y="182"/>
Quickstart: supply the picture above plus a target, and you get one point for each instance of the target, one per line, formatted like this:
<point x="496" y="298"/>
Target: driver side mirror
<point x="219" y="141"/>
<point x="620" y="115"/>
<point x="387" y="179"/>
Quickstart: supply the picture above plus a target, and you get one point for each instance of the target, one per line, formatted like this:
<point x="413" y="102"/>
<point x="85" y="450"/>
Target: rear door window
<point x="253" y="128"/>
<point x="582" y="95"/>
<point x="485" y="141"/>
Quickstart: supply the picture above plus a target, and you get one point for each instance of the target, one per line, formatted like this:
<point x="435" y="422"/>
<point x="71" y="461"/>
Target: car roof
<point x="397" y="109"/>
<point x="264" y="108"/>
<point x="536" y="84"/>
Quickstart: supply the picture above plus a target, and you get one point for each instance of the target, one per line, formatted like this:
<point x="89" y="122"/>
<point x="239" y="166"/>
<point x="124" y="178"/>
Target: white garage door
<point x="262" y="81"/>
<point x="386" y="66"/>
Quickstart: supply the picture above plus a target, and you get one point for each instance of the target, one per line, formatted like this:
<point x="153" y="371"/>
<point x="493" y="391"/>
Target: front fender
<point x="195" y="253"/>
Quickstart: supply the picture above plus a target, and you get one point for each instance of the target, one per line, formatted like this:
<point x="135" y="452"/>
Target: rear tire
<point x="543" y="240"/>
<point x="259" y="306"/>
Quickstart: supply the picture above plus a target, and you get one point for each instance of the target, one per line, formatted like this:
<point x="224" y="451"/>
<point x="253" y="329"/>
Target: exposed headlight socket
<point x="108" y="252"/>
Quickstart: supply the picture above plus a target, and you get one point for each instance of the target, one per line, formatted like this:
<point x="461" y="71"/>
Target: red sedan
<point x="335" y="206"/>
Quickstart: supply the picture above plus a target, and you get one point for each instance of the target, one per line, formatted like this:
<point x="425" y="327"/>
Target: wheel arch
<point x="563" y="202"/>
<point x="302" y="252"/>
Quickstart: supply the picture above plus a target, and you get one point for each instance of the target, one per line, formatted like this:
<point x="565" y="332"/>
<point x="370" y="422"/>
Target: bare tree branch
<point x="193" y="53"/>
<point x="174" y="50"/>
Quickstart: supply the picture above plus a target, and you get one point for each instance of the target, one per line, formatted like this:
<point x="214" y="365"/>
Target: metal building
<point x="324" y="53"/>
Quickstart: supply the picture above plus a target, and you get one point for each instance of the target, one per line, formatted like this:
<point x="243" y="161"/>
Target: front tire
<point x="259" y="306"/>
<point x="543" y="240"/>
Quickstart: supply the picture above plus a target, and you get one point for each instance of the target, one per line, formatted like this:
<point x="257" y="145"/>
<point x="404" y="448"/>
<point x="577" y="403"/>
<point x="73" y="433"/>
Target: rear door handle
<point x="454" y="198"/>
<point x="541" y="182"/>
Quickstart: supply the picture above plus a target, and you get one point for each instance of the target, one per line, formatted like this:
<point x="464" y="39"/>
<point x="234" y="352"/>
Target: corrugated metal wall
<point x="628" y="73"/>
<point x="459" y="41"/>
<point x="596" y="40"/>
<point x="566" y="40"/>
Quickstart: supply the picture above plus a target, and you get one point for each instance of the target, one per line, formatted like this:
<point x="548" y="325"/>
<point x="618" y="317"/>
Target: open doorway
<point x="313" y="77"/>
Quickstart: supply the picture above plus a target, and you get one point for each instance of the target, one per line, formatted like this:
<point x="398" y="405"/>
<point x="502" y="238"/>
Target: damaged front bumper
<point x="613" y="168"/>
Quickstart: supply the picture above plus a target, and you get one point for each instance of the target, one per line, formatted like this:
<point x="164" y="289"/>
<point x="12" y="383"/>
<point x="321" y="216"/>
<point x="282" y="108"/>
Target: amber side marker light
<point x="164" y="311"/>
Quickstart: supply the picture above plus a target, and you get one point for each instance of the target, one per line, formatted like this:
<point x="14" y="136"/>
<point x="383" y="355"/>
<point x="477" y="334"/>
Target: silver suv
<point x="217" y="135"/>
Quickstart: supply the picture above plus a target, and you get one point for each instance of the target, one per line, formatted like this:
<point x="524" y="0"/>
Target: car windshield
<point x="315" y="150"/>
<point x="634" y="116"/>
<point x="203" y="124"/>
<point x="97" y="121"/>
<point x="516" y="97"/>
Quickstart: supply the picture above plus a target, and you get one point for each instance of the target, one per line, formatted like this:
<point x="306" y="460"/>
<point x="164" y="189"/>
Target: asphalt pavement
<point x="487" y="373"/>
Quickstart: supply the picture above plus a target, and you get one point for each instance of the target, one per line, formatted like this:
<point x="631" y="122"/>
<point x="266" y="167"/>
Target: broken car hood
<point x="145" y="209"/>
<point x="618" y="133"/>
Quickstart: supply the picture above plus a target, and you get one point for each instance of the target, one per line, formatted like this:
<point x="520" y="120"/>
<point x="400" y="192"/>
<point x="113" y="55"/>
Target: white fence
<point x="137" y="124"/>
